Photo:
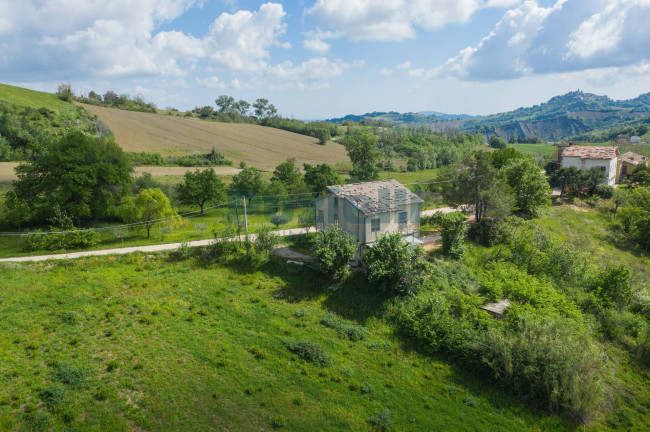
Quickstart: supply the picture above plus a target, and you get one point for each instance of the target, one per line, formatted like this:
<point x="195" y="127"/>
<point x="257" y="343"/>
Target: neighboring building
<point x="627" y="162"/>
<point x="635" y="140"/>
<point x="587" y="157"/>
<point x="367" y="210"/>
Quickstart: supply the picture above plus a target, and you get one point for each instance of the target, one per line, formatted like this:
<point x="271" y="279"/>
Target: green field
<point x="139" y="342"/>
<point x="535" y="149"/>
<point x="35" y="99"/>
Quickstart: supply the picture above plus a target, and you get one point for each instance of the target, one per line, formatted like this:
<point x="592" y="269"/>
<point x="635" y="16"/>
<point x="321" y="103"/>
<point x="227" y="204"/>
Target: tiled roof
<point x="376" y="197"/>
<point x="590" y="152"/>
<point x="633" y="158"/>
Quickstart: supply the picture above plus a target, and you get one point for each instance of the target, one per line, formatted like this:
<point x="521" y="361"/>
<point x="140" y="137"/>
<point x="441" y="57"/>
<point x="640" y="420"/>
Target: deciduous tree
<point x="201" y="187"/>
<point x="363" y="152"/>
<point x="150" y="207"/>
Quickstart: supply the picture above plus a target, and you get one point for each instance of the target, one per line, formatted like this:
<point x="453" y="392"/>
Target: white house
<point x="635" y="139"/>
<point x="367" y="210"/>
<point x="587" y="157"/>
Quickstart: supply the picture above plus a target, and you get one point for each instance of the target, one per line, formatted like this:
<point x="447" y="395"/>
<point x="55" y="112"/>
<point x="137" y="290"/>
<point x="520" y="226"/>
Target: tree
<point x="263" y="109"/>
<point x="394" y="266"/>
<point x="279" y="219"/>
<point x="85" y="176"/>
<point x="505" y="156"/>
<point x="150" y="207"/>
<point x="266" y="240"/>
<point x="205" y="112"/>
<point x="478" y="184"/>
<point x="287" y="173"/>
<point x="332" y="251"/>
<point x="567" y="178"/>
<point x="453" y="232"/>
<point x="110" y="97"/>
<point x="249" y="182"/>
<point x="640" y="176"/>
<point x="225" y="103"/>
<point x="306" y="218"/>
<point x="242" y="107"/>
<point x="323" y="136"/>
<point x="200" y="187"/>
<point x="529" y="185"/>
<point x="613" y="287"/>
<point x="592" y="178"/>
<point x="64" y="92"/>
<point x="497" y="142"/>
<point x="363" y="152"/>
<point x="320" y="176"/>
<point x="620" y="198"/>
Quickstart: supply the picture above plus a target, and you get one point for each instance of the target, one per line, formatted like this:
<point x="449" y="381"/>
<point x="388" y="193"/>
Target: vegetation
<point x="332" y="251"/>
<point x="363" y="152"/>
<point x="201" y="187"/>
<point x="85" y="176"/>
<point x="149" y="208"/>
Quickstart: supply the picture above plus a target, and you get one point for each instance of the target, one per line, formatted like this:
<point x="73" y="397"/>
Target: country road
<point x="171" y="246"/>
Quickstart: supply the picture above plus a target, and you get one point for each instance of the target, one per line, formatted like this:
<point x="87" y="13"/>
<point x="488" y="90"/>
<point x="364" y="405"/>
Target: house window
<point x="374" y="225"/>
<point x="403" y="218"/>
<point x="602" y="168"/>
<point x="336" y="219"/>
<point x="336" y="202"/>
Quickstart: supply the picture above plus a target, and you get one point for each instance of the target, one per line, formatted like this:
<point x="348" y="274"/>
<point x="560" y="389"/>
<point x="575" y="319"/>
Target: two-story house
<point x="587" y="157"/>
<point x="367" y="210"/>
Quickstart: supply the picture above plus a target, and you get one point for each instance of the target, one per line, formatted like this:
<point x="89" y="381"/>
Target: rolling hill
<point x="256" y="145"/>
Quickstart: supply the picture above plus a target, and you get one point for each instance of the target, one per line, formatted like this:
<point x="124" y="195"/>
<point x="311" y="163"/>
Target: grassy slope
<point x="181" y="346"/>
<point x="35" y="99"/>
<point x="258" y="146"/>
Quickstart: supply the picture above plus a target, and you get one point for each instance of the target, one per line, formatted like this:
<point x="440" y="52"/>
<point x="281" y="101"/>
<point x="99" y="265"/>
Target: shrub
<point x="453" y="232"/>
<point x="352" y="332"/>
<point x="279" y="219"/>
<point x="394" y="266"/>
<point x="52" y="241"/>
<point x="332" y="251"/>
<point x="486" y="232"/>
<point x="604" y="191"/>
<point x="366" y="388"/>
<point x="382" y="421"/>
<point x="266" y="240"/>
<point x="310" y="351"/>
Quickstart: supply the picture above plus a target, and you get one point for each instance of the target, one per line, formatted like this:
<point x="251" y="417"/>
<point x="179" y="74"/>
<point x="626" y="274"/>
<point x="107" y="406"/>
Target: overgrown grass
<point x="140" y="343"/>
<point x="35" y="99"/>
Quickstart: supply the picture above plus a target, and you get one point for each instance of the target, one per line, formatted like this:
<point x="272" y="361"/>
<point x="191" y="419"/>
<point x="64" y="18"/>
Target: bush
<point x="310" y="351"/>
<point x="53" y="396"/>
<point x="332" y="251"/>
<point x="453" y="232"/>
<point x="266" y="240"/>
<point x="486" y="232"/>
<point x="52" y="241"/>
<point x="382" y="421"/>
<point x="279" y="219"/>
<point x="394" y="266"/>
<point x="604" y="191"/>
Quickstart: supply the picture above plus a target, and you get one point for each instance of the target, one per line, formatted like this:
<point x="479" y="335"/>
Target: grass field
<point x="34" y="99"/>
<point x="535" y="149"/>
<point x="259" y="146"/>
<point x="139" y="342"/>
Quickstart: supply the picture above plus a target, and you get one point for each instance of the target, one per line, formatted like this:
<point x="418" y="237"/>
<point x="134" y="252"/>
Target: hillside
<point x="34" y="99"/>
<point x="258" y="146"/>
<point x="570" y="115"/>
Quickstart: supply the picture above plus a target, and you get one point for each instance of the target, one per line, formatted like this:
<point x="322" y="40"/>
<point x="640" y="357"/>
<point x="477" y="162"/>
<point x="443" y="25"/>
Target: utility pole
<point x="248" y="246"/>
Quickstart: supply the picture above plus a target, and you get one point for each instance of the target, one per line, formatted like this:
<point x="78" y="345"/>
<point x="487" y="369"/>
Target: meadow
<point x="143" y="342"/>
<point x="36" y="99"/>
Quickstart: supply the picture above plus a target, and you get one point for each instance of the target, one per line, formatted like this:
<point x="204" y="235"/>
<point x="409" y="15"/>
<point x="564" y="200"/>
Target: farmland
<point x="259" y="146"/>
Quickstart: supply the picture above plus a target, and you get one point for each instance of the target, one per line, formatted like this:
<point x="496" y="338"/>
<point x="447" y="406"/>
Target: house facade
<point x="367" y="210"/>
<point x="587" y="157"/>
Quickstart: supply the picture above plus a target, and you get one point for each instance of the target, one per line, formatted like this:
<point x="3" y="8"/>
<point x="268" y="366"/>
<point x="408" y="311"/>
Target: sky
<point x="316" y="59"/>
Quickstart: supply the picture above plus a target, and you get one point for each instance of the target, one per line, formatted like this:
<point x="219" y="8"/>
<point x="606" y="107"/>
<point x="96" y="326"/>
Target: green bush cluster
<point x="310" y="351"/>
<point x="352" y="332"/>
<point x="53" y="241"/>
<point x="332" y="251"/>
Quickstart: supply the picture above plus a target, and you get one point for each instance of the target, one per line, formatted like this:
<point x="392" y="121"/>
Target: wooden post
<point x="248" y="246"/>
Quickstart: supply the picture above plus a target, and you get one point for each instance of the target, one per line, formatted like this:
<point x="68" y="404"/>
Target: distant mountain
<point x="390" y="116"/>
<point x="575" y="114"/>
<point x="445" y="116"/>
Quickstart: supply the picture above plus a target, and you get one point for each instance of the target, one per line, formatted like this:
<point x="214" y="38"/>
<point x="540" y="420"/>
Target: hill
<point x="34" y="99"/>
<point x="575" y="114"/>
<point x="259" y="146"/>
<point x="139" y="342"/>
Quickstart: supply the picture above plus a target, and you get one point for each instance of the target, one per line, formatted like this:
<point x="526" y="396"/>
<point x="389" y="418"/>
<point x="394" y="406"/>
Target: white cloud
<point x="395" y="19"/>
<point x="405" y="65"/>
<point x="385" y="71"/>
<point x="317" y="45"/>
<point x="571" y="35"/>
<point x="212" y="82"/>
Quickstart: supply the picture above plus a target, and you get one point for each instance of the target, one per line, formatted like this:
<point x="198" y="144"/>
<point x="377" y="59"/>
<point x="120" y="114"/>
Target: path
<point x="171" y="246"/>
<point x="149" y="248"/>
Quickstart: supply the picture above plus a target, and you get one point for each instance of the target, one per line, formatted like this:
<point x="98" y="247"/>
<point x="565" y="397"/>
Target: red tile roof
<point x="590" y="152"/>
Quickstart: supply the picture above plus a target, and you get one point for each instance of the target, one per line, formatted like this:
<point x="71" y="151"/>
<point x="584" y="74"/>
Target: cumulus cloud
<point x="69" y="40"/>
<point x="570" y="35"/>
<point x="385" y="71"/>
<point x="395" y="19"/>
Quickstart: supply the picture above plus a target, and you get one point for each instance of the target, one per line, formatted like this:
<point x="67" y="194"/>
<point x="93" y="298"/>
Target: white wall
<point x="585" y="164"/>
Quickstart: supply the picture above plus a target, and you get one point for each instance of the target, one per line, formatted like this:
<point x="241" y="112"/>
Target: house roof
<point x="590" y="152"/>
<point x="633" y="158"/>
<point x="376" y="197"/>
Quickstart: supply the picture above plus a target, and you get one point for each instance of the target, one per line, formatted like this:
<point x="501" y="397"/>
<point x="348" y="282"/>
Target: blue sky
<point x="328" y="58"/>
